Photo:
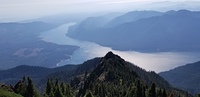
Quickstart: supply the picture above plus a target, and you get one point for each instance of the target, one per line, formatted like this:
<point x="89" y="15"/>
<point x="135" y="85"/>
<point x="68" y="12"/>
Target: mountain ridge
<point x="110" y="73"/>
<point x="132" y="16"/>
<point x="113" y="73"/>
<point x="164" y="33"/>
<point x="185" y="77"/>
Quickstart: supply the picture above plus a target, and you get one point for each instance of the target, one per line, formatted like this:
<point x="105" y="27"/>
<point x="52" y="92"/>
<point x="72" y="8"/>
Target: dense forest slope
<point x="108" y="76"/>
<point x="186" y="77"/>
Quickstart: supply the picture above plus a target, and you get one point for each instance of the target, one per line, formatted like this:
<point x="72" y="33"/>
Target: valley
<point x="99" y="48"/>
<point x="20" y="45"/>
<point x="157" y="61"/>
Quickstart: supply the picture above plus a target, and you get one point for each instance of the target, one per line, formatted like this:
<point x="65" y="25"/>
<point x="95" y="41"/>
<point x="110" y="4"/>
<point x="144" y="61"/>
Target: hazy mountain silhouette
<point x="132" y="16"/>
<point x="172" y="31"/>
<point x="21" y="45"/>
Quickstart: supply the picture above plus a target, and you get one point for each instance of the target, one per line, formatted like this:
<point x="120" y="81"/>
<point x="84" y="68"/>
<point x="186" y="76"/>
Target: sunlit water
<point x="150" y="61"/>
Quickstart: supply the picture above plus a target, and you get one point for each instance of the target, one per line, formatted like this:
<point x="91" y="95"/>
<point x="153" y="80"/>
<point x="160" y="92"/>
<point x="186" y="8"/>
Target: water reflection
<point x="149" y="61"/>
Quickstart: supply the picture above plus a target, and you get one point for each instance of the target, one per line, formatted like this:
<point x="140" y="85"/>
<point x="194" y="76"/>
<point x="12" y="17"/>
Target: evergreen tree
<point x="138" y="89"/>
<point x="26" y="90"/>
<point x="131" y="91"/>
<point x="63" y="88"/>
<point x="152" y="91"/>
<point x="89" y="94"/>
<point x="58" y="92"/>
<point x="101" y="91"/>
<point x="31" y="91"/>
<point x="85" y="74"/>
<point x="55" y="85"/>
<point x="159" y="93"/>
<point x="49" y="88"/>
<point x="69" y="92"/>
<point x="20" y="88"/>
<point x="23" y="79"/>
<point x="144" y="91"/>
<point x="30" y="88"/>
<point x="164" y="94"/>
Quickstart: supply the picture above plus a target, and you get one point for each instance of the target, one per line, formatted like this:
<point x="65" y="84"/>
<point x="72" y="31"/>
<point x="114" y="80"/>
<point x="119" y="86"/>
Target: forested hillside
<point x="186" y="77"/>
<point x="109" y="76"/>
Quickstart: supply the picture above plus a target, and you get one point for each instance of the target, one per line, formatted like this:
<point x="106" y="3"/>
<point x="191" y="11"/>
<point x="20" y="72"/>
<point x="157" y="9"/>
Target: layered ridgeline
<point x="109" y="76"/>
<point x="186" y="77"/>
<point x="20" y="44"/>
<point x="145" y="31"/>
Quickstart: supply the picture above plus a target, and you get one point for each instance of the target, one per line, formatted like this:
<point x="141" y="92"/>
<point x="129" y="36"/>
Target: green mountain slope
<point x="185" y="77"/>
<point x="114" y="77"/>
<point x="109" y="76"/>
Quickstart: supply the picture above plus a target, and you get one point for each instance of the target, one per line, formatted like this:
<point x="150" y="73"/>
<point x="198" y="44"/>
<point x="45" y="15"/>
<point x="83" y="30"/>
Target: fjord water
<point x="158" y="62"/>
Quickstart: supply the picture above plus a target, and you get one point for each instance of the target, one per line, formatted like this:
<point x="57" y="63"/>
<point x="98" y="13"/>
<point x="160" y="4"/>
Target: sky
<point x="24" y="9"/>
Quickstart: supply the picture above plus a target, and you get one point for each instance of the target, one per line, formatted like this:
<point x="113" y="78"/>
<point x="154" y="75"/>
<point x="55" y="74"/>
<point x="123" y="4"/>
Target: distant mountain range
<point x="186" y="77"/>
<point x="144" y="31"/>
<point x="23" y="53"/>
<point x="20" y="45"/>
<point x="132" y="16"/>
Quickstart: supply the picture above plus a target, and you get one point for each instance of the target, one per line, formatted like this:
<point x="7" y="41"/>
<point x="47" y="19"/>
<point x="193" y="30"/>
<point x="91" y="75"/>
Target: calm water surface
<point x="150" y="61"/>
